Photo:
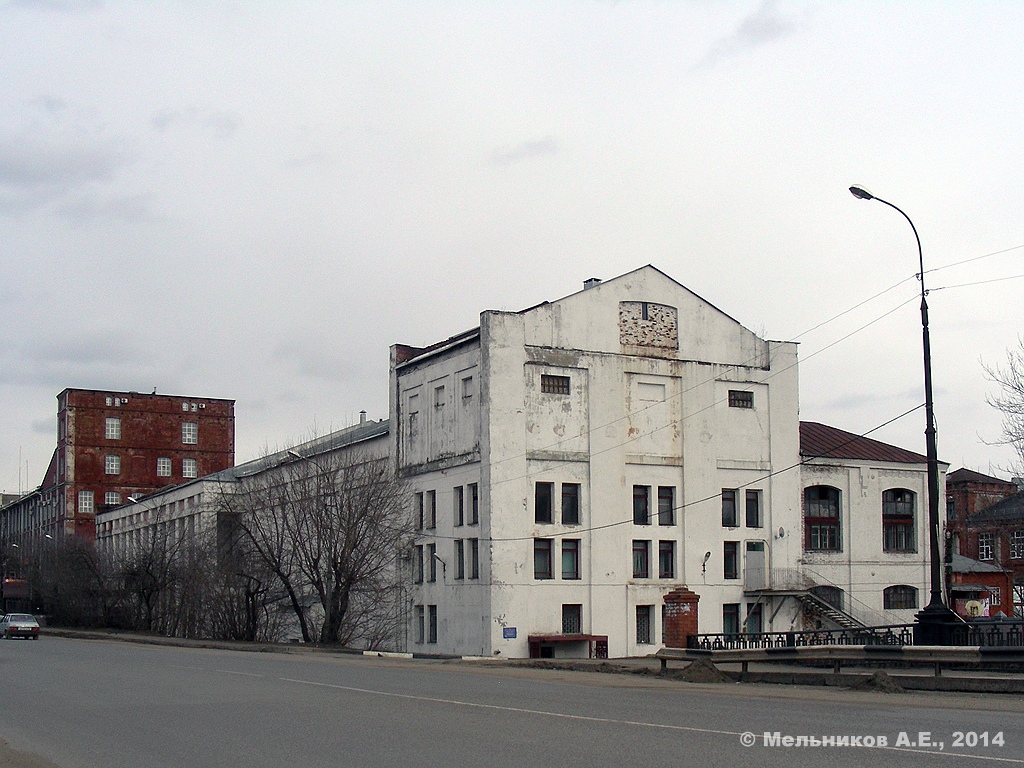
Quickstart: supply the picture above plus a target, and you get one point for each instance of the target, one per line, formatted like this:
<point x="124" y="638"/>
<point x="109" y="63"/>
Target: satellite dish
<point x="973" y="607"/>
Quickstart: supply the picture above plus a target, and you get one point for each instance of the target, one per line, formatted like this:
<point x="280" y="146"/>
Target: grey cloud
<point x="527" y="150"/>
<point x="27" y="164"/>
<point x="92" y="359"/>
<point x="51" y="104"/>
<point x="763" y="26"/>
<point x="223" y="125"/>
<point x="312" y="360"/>
<point x="43" y="427"/>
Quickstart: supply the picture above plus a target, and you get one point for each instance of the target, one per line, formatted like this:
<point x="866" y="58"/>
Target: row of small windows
<point x="752" y="506"/>
<point x="465" y="507"/>
<point x="822" y="531"/>
<point x="189" y="430"/>
<point x="988" y="545"/>
<point x="544" y="557"/>
<point x="189" y="467"/>
<point x="466" y="559"/>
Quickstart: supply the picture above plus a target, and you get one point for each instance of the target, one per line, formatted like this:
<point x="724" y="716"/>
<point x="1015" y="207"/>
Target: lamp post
<point x="933" y="624"/>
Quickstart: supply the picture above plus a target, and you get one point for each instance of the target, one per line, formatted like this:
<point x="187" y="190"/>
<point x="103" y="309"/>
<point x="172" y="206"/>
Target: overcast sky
<point x="253" y="200"/>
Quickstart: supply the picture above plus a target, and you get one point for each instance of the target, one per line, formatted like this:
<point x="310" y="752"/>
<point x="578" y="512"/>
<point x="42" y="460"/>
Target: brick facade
<point x="680" y="616"/>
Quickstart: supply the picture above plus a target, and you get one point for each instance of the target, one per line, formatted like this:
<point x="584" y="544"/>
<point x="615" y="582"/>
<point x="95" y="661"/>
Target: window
<point x="821" y="518"/>
<point x="420" y="625"/>
<point x="666" y="559"/>
<point x="641" y="505"/>
<point x="1017" y="545"/>
<point x="666" y="505"/>
<point x="542" y="499"/>
<point x="731" y="619"/>
<point x="898" y="597"/>
<point x="419" y="511"/>
<point x="731" y="560"/>
<point x="641" y="559"/>
<point x="431" y="511"/>
<point x="163" y="467"/>
<point x="995" y="599"/>
<point x="570" y="558"/>
<point x="432" y="623"/>
<point x="753" y="509"/>
<point x="467" y="390"/>
<point x="113" y="428"/>
<point x="985" y="546"/>
<point x="432" y="562"/>
<point x="189" y="468"/>
<point x="554" y="385"/>
<point x="439" y="397"/>
<point x="474" y="504"/>
<point x="418" y="564"/>
<point x="190" y="433"/>
<point x="460" y="559"/>
<point x="898" y="520"/>
<point x="458" y="505"/>
<point x="740" y="399"/>
<point x="112" y="465"/>
<point x="542" y="559"/>
<point x="112" y="498"/>
<point x="729" y="508"/>
<point x="570" y="503"/>
<point x="644" y="620"/>
<point x="474" y="558"/>
<point x="572" y="619"/>
<point x="85" y="503"/>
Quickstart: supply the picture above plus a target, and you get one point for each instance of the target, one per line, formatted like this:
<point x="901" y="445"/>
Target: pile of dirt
<point x="879" y="681"/>
<point x="702" y="671"/>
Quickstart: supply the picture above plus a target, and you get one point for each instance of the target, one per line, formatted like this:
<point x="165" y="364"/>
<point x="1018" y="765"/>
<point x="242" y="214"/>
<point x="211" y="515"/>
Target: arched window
<point x="898" y="520"/>
<point x="899" y="596"/>
<point x="821" y="519"/>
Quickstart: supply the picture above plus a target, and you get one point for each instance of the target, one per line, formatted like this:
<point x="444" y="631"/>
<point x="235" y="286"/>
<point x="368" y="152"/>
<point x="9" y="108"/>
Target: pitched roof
<point x="963" y="564"/>
<point x="964" y="475"/>
<point x="822" y="441"/>
<point x="1009" y="509"/>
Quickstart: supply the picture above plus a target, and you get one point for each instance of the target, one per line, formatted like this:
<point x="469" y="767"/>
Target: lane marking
<point x="588" y="718"/>
<point x="242" y="674"/>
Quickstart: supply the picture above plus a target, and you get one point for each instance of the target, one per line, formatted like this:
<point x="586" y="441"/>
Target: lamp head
<point x="859" y="192"/>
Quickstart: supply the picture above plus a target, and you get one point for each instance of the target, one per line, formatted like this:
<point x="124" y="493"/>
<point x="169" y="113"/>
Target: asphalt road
<point x="105" y="704"/>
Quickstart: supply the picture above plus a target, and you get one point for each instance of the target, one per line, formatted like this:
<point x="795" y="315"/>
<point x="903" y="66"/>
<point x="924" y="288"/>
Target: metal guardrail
<point x="937" y="656"/>
<point x="893" y="635"/>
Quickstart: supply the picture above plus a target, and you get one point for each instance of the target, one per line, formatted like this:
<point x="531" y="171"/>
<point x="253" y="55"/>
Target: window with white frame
<point x="985" y="546"/>
<point x="112" y="430"/>
<point x="163" y="467"/>
<point x="995" y="598"/>
<point x="189" y="468"/>
<point x="112" y="464"/>
<point x="190" y="433"/>
<point x="86" y="505"/>
<point x="1017" y="545"/>
<point x="112" y="498"/>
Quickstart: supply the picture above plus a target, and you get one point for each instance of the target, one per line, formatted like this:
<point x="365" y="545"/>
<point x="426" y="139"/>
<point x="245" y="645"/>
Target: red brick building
<point x="112" y="446"/>
<point x="967" y="493"/>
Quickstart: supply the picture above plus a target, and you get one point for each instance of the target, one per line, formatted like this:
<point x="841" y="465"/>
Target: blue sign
<point x="509" y="633"/>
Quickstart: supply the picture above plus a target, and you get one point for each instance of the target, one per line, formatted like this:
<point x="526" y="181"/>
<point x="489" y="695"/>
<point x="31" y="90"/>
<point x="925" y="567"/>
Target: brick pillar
<point x="680" y="616"/>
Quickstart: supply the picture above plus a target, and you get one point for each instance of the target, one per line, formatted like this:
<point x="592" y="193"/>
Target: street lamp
<point x="935" y="622"/>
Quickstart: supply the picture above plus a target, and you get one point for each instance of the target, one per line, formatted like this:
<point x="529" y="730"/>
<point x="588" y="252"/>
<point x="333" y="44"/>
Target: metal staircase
<point x="820" y="608"/>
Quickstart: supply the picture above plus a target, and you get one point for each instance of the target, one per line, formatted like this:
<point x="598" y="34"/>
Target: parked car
<point x="19" y="625"/>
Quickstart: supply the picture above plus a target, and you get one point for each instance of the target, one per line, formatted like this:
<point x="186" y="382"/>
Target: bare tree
<point x="330" y="527"/>
<point x="1010" y="400"/>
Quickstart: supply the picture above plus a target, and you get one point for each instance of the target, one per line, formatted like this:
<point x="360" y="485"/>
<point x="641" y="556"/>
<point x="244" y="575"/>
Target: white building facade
<point x="572" y="463"/>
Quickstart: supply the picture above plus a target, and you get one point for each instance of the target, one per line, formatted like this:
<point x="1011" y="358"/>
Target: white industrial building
<point x="574" y="462"/>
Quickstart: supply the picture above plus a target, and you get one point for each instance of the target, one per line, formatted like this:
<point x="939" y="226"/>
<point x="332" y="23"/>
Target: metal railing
<point x="895" y="634"/>
<point x="992" y="634"/>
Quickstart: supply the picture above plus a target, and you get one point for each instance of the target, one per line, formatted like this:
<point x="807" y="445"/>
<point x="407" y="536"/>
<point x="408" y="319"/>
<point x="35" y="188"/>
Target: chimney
<point x="591" y="282"/>
<point x="362" y="417"/>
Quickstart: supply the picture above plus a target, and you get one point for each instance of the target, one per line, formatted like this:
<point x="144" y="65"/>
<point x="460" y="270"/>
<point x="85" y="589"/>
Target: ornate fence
<point x="896" y="634"/>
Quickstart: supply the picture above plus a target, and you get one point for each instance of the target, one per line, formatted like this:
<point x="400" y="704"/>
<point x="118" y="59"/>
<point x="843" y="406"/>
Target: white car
<point x="19" y="625"/>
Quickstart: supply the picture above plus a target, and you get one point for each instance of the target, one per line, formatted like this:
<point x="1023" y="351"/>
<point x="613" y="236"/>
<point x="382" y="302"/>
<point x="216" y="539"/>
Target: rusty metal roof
<point x="823" y="441"/>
